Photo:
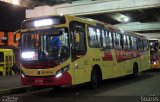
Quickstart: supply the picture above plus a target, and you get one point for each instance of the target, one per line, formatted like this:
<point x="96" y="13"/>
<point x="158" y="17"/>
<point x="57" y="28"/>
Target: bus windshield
<point x="154" y="47"/>
<point x="154" y="50"/>
<point x="45" y="45"/>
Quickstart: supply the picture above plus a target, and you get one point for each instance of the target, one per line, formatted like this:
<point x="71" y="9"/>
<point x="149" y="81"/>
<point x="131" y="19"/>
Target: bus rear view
<point x="155" y="54"/>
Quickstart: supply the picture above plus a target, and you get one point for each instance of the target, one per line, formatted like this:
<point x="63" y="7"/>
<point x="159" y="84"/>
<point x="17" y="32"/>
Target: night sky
<point x="11" y="16"/>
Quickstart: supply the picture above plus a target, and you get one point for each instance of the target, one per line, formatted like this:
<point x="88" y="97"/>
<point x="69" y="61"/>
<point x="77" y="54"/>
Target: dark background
<point x="11" y="16"/>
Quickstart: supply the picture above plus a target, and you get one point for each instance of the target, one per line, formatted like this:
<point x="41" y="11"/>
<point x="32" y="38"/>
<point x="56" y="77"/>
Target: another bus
<point x="68" y="50"/>
<point x="155" y="53"/>
<point x="6" y="62"/>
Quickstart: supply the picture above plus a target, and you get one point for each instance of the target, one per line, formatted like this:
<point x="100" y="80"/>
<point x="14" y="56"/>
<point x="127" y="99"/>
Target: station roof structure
<point x="122" y="13"/>
<point x="139" y="14"/>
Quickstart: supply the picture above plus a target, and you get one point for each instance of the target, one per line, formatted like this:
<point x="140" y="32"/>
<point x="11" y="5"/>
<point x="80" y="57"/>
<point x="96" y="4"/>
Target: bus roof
<point x="94" y="23"/>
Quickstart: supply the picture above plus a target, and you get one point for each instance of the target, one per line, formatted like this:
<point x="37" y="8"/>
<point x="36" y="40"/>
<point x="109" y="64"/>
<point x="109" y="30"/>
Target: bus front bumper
<point x="64" y="80"/>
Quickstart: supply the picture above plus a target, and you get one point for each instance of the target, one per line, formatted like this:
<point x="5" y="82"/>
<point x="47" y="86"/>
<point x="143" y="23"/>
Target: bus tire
<point x="96" y="78"/>
<point x="135" y="71"/>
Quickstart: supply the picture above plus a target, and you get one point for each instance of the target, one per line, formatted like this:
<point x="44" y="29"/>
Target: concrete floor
<point x="9" y="82"/>
<point x="144" y="89"/>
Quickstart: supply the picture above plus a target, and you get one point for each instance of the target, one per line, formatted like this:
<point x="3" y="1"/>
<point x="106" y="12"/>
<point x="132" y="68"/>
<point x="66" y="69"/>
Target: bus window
<point x="126" y="42"/>
<point x="92" y="32"/>
<point x="1" y="57"/>
<point x="153" y="47"/>
<point x="145" y="44"/>
<point x="103" y="39"/>
<point x="57" y="44"/>
<point x="117" y="40"/>
<point x="133" y="43"/>
<point x="98" y="36"/>
<point x="140" y="44"/>
<point x="107" y="39"/>
<point x="94" y="37"/>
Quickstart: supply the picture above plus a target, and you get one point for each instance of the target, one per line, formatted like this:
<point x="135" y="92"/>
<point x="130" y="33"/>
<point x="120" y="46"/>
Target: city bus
<point x="6" y="62"/>
<point x="155" y="53"/>
<point x="68" y="50"/>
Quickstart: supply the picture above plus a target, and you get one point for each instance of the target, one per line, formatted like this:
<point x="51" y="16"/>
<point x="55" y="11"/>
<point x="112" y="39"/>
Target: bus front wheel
<point x="95" y="78"/>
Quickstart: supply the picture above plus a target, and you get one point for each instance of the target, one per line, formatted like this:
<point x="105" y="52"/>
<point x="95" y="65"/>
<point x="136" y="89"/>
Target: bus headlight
<point x="59" y="74"/>
<point x="61" y="71"/>
<point x="154" y="62"/>
<point x="22" y="74"/>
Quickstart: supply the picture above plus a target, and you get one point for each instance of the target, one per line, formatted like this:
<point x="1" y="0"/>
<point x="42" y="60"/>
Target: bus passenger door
<point x="78" y="50"/>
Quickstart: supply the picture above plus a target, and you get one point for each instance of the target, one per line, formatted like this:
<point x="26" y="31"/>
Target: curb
<point x="14" y="90"/>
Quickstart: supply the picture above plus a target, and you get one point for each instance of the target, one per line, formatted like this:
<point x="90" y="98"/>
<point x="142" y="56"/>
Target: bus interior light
<point x="43" y="22"/>
<point x="28" y="55"/>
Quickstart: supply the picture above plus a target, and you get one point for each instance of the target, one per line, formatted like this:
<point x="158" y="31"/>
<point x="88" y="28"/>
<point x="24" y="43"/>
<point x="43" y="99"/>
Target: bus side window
<point x="145" y="44"/>
<point x="107" y="39"/>
<point x="126" y="42"/>
<point x="91" y="38"/>
<point x="118" y="41"/>
<point x="94" y="37"/>
<point x="133" y="43"/>
<point x="140" y="44"/>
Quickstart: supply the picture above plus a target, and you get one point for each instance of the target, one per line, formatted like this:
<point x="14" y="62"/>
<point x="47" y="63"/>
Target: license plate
<point x="39" y="81"/>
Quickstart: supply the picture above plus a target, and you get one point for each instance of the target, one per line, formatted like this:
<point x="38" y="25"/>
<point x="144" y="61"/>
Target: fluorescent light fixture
<point x="43" y="22"/>
<point x="126" y="19"/>
<point x="16" y="2"/>
<point x="28" y="55"/>
<point x="61" y="14"/>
